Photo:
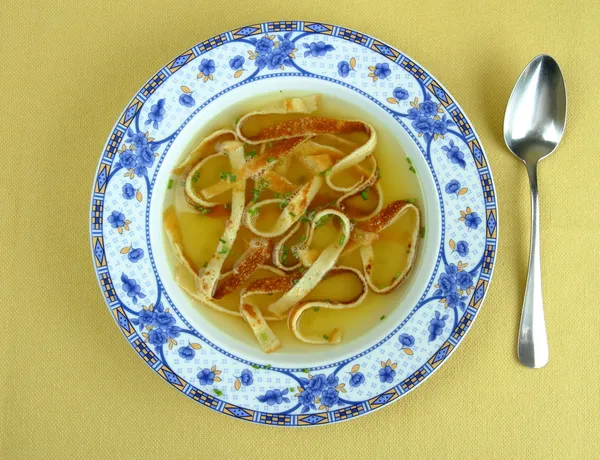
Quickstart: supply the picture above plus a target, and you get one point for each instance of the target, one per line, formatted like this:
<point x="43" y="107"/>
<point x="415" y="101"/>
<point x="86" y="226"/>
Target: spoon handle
<point x="533" y="343"/>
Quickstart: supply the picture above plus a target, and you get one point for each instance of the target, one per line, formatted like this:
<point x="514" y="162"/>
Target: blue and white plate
<point x="177" y="340"/>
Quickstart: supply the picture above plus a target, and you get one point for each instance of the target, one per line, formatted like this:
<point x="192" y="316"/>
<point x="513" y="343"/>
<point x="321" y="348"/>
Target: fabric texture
<point x="70" y="385"/>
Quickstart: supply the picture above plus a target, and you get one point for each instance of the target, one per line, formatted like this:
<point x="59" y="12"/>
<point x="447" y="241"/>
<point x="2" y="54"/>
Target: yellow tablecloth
<point x="71" y="387"/>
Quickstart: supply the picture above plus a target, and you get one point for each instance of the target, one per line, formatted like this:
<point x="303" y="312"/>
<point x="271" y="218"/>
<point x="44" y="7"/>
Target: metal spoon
<point x="534" y="123"/>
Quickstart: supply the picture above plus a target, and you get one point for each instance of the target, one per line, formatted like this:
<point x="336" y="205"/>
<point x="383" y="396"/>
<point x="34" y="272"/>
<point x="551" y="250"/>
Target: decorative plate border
<point x="274" y="396"/>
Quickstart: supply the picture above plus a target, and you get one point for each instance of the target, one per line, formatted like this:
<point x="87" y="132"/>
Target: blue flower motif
<point x="145" y="318"/>
<point x="436" y="326"/>
<point x="162" y="319"/>
<point x="472" y="220"/>
<point x="187" y="353"/>
<point x="455" y="300"/>
<point x="451" y="269"/>
<point x="137" y="139"/>
<point x="387" y="374"/>
<point x="462" y="247"/>
<point x="307" y="399"/>
<point x="440" y="127"/>
<point x="127" y="159"/>
<point x="131" y="288"/>
<point x="157" y="337"/>
<point x="205" y="376"/>
<point x="332" y="381"/>
<point x="157" y="113"/>
<point x="261" y="61"/>
<point x="330" y="397"/>
<point x="285" y="44"/>
<point x="428" y="107"/>
<point x="357" y="379"/>
<point x="423" y="124"/>
<point x="317" y="384"/>
<point x="406" y="340"/>
<point x="264" y="46"/>
<point x="128" y="191"/>
<point x="207" y="67"/>
<point x="187" y="100"/>
<point x="446" y="284"/>
<point x="464" y="280"/>
<point x="116" y="219"/>
<point x="316" y="49"/>
<point x="246" y="377"/>
<point x="382" y="70"/>
<point x="277" y="59"/>
<point x="145" y="155"/>
<point x="454" y="154"/>
<point x="343" y="69"/>
<point x="272" y="397"/>
<point x="453" y="186"/>
<point x="401" y="94"/>
<point x="135" y="255"/>
<point x="413" y="114"/>
<point x="236" y="62"/>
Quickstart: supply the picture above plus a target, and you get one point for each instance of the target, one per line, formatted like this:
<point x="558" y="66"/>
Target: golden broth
<point x="201" y="232"/>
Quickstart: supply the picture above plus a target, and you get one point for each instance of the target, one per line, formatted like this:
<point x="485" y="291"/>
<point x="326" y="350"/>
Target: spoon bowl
<point x="536" y="113"/>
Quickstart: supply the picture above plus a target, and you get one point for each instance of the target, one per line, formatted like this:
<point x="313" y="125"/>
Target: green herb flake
<point x="382" y="318"/>
<point x="411" y="200"/>
<point x="264" y="337"/>
<point x="237" y="120"/>
<point x="292" y="389"/>
<point x="316" y="308"/>
<point x="326" y="172"/>
<point x="256" y="366"/>
<point x="195" y="177"/>
<point x="232" y="177"/>
<point x="412" y="169"/>
<point x="306" y="371"/>
<point x="205" y="264"/>
<point x="326" y="337"/>
<point x="218" y="392"/>
<point x="253" y="211"/>
<point x="294" y="282"/>
<point x="365" y="194"/>
<point x="303" y="238"/>
<point x="378" y="172"/>
<point x="222" y="240"/>
<point x="283" y="204"/>
<point x="409" y="160"/>
<point x="284" y="253"/>
<point x="342" y="239"/>
<point x="268" y="366"/>
<point x="250" y="154"/>
<point x="422" y="232"/>
<point x="270" y="159"/>
<point x="170" y="185"/>
<point x="223" y="250"/>
<point x="292" y="214"/>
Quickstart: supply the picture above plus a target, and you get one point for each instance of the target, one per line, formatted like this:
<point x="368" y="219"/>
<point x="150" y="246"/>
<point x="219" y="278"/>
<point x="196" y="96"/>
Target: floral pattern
<point x="130" y="179"/>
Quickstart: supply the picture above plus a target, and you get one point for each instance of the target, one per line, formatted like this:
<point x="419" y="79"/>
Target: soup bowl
<point x="213" y="358"/>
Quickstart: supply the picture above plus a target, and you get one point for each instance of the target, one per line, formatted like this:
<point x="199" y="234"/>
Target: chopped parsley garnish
<point x="342" y="239"/>
<point x="283" y="204"/>
<point x="218" y="392"/>
<point x="287" y="195"/>
<point x="268" y="366"/>
<point x="292" y="214"/>
<point x="202" y="209"/>
<point x="365" y="194"/>
<point x="378" y="172"/>
<point x="306" y="371"/>
<point x="308" y="216"/>
<point x="225" y="175"/>
<point x="326" y="172"/>
<point x="303" y="238"/>
<point x="294" y="282"/>
<point x="411" y="200"/>
<point x="422" y="232"/>
<point x="223" y="250"/>
<point x="222" y="240"/>
<point x="205" y="264"/>
<point x="264" y="337"/>
<point x="170" y="185"/>
<point x="409" y="160"/>
<point x="397" y="275"/>
<point x="195" y="177"/>
<point x="412" y="169"/>
<point x="251" y="154"/>
<point x="237" y="120"/>
<point x="316" y="308"/>
<point x="284" y="253"/>
<point x="326" y="337"/>
<point x="271" y="159"/>
<point x="253" y="211"/>
<point x="256" y="366"/>
<point x="322" y="220"/>
<point x="382" y="318"/>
